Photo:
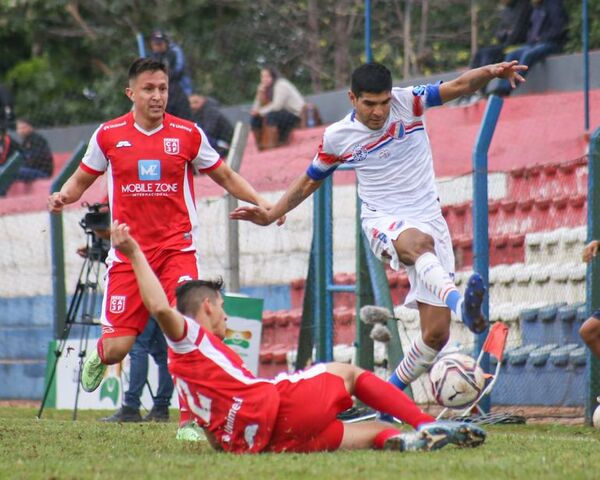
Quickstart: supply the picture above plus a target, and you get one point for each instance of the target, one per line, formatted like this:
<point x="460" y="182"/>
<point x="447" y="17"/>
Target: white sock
<point x="416" y="361"/>
<point x="437" y="280"/>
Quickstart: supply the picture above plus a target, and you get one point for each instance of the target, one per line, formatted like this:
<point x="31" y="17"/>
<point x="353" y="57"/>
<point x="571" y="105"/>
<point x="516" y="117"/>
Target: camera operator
<point x="151" y="341"/>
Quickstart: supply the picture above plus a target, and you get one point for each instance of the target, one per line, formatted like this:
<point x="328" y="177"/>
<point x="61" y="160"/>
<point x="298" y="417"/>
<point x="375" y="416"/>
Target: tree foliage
<point x="66" y="60"/>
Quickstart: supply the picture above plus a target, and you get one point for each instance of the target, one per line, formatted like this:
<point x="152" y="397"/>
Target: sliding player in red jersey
<point x="292" y="413"/>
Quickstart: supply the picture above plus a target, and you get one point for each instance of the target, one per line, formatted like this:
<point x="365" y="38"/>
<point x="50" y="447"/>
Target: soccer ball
<point x="456" y="380"/>
<point x="596" y="416"/>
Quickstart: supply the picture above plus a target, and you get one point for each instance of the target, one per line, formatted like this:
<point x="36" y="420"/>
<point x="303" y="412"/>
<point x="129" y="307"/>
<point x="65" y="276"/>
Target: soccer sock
<point x="384" y="397"/>
<point x="416" y="361"/>
<point x="185" y="415"/>
<point x="437" y="280"/>
<point x="381" y="437"/>
<point x="100" y="350"/>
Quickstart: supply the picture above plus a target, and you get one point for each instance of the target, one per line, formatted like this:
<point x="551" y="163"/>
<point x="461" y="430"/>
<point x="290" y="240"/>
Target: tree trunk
<point x="314" y="59"/>
<point x="342" y="30"/>
<point x="474" y="31"/>
<point x="407" y="46"/>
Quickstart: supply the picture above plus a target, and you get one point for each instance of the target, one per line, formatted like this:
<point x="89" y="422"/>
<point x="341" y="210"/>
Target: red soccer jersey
<point x="149" y="177"/>
<point x="225" y="397"/>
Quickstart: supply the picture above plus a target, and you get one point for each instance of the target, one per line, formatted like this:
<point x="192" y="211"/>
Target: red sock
<point x="100" y="350"/>
<point x="386" y="398"/>
<point x="184" y="417"/>
<point x="382" y="436"/>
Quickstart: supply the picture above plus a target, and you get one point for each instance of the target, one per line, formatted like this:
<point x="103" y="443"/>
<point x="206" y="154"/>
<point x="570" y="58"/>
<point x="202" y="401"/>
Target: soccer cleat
<point x="158" y="413"/>
<point x="190" y="432"/>
<point x="385" y="417"/>
<point x="471" y="307"/>
<point x="461" y="434"/>
<point x="92" y="372"/>
<point x="124" y="414"/>
<point x="418" y="441"/>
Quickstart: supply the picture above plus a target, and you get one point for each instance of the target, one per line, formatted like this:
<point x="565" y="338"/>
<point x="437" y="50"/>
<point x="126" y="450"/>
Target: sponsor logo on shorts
<point x="107" y="329"/>
<point x="184" y="278"/>
<point x="149" y="170"/>
<point x="230" y="419"/>
<point x="379" y="235"/>
<point x="117" y="303"/>
<point x="171" y="146"/>
<point x="396" y="225"/>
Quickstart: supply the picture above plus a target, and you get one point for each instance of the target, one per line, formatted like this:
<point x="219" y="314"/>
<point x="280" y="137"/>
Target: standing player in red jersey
<point x="292" y="413"/>
<point x="149" y="157"/>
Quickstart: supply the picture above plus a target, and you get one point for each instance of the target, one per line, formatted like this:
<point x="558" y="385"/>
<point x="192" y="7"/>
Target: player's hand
<point x="56" y="202"/>
<point x="257" y="215"/>
<point x="269" y="206"/>
<point x="82" y="251"/>
<point x="122" y="240"/>
<point x="509" y="71"/>
<point x="591" y="250"/>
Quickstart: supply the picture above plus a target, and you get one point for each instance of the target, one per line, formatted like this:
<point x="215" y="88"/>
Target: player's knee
<point x="590" y="330"/>
<point x="417" y="244"/>
<point x="113" y="353"/>
<point x="436" y="338"/>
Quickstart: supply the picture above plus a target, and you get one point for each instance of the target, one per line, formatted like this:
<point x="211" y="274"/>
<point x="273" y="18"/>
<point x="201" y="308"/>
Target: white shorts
<point x="383" y="230"/>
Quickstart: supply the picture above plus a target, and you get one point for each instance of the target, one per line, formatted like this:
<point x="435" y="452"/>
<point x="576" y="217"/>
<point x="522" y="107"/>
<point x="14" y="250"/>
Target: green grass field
<point x="58" y="448"/>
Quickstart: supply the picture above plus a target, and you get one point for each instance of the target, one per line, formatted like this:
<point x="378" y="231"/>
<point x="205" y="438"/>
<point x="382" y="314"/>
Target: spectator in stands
<point x="207" y="114"/>
<point x="7" y="110"/>
<point x="38" y="161"/>
<point x="514" y="20"/>
<point x="276" y="109"/>
<point x="590" y="330"/>
<point x="180" y="85"/>
<point x="8" y="147"/>
<point x="546" y="34"/>
<point x="171" y="54"/>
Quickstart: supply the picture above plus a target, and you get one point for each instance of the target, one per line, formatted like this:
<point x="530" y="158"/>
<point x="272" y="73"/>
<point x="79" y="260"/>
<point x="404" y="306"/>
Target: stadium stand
<point x="537" y="218"/>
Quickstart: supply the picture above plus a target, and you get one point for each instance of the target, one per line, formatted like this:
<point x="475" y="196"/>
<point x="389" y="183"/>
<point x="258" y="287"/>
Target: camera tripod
<point x="82" y="309"/>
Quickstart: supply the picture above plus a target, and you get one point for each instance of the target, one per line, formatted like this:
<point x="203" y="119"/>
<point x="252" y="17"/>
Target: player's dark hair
<point x="370" y="78"/>
<point x="190" y="295"/>
<point x="142" y="65"/>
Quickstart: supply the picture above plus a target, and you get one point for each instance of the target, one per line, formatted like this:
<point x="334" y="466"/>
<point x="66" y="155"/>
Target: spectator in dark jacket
<point x="38" y="161"/>
<point x="514" y="20"/>
<point x="7" y="116"/>
<point x="171" y="54"/>
<point x="546" y="34"/>
<point x="207" y="114"/>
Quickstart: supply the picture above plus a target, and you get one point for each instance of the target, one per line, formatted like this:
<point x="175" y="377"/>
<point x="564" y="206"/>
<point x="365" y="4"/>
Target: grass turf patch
<point x="55" y="447"/>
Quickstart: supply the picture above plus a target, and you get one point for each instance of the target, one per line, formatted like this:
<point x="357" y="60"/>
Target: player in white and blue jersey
<point x="384" y="138"/>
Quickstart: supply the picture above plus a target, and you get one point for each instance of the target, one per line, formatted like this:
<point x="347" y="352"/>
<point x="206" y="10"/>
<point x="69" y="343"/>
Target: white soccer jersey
<point x="393" y="165"/>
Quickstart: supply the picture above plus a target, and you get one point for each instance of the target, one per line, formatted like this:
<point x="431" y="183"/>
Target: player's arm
<point x="591" y="250"/>
<point x="473" y="80"/>
<point x="71" y="191"/>
<point x="239" y="187"/>
<point x="301" y="189"/>
<point x="154" y="297"/>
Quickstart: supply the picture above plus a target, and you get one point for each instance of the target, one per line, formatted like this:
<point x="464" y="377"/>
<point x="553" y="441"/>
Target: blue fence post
<point x="481" y="247"/>
<point x="593" y="271"/>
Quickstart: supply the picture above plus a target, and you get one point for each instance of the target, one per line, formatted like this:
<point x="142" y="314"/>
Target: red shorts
<point x="309" y="404"/>
<point x="123" y="312"/>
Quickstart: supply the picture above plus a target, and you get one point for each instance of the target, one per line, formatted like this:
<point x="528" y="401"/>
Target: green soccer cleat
<point x="92" y="373"/>
<point x="190" y="432"/>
